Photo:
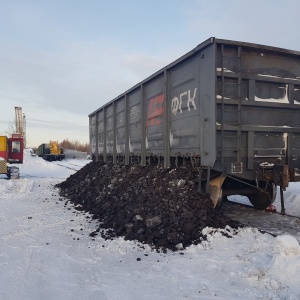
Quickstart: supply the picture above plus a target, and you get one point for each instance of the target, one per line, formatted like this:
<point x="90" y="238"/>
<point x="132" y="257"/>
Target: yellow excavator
<point x="50" y="151"/>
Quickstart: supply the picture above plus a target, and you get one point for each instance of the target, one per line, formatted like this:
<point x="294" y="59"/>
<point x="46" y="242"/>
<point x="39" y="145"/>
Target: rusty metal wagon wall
<point x="233" y="105"/>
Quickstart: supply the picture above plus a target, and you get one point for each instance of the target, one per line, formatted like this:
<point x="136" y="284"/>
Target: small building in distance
<point x="74" y="154"/>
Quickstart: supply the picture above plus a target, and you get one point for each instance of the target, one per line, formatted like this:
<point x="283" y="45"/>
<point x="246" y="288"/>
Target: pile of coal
<point x="157" y="206"/>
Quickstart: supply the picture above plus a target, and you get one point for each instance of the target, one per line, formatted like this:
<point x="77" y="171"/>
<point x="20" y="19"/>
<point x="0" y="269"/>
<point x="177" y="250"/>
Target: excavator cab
<point x="15" y="149"/>
<point x="11" y="152"/>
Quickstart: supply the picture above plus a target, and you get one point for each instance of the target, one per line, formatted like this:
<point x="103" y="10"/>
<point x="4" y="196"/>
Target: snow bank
<point x="284" y="268"/>
<point x="16" y="187"/>
<point x="47" y="252"/>
<point x="286" y="245"/>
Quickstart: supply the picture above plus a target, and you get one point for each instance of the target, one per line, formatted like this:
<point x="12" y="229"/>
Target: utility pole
<point x="20" y="123"/>
<point x="19" y="120"/>
<point x="24" y="130"/>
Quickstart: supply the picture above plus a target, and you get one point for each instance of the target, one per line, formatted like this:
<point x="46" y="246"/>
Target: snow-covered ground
<point x="46" y="252"/>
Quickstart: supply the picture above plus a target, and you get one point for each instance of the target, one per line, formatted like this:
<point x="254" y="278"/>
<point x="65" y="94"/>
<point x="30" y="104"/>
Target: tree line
<point x="74" y="145"/>
<point x="66" y="144"/>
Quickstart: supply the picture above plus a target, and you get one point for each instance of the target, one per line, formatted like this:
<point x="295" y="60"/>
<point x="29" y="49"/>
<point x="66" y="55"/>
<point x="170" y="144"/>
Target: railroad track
<point x="70" y="168"/>
<point x="273" y="223"/>
<point x="251" y="207"/>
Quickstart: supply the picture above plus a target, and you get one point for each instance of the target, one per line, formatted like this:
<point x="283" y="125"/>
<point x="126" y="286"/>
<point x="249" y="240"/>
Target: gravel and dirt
<point x="157" y="206"/>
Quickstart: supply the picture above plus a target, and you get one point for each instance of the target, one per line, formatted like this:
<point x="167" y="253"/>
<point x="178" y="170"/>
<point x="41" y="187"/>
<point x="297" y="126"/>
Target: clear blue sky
<point x="62" y="59"/>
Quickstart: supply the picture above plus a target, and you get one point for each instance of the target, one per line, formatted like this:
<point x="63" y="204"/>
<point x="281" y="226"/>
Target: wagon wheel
<point x="264" y="197"/>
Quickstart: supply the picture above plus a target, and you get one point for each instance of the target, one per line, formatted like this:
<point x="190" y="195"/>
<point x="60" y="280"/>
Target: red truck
<point x="11" y="152"/>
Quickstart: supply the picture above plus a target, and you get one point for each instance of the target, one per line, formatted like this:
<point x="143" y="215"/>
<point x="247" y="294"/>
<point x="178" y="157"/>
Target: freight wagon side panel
<point x="257" y="107"/>
<point x="135" y="122"/>
<point x="120" y="111"/>
<point x="154" y="121"/>
<point x="100" y="133"/>
<point x="192" y="104"/>
<point x="109" y="121"/>
<point x="93" y="135"/>
<point x="185" y="101"/>
<point x="208" y="139"/>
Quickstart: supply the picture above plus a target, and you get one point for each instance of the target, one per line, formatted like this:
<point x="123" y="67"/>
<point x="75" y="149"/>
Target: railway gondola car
<point x="231" y="108"/>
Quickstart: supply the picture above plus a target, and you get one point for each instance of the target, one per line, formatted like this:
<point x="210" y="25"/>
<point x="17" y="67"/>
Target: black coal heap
<point x="157" y="206"/>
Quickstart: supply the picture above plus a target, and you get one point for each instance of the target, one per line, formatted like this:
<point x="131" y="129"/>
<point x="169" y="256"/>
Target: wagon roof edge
<point x="198" y="48"/>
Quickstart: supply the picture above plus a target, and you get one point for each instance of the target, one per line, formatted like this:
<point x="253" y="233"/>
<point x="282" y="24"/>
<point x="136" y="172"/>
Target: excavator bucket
<point x="215" y="190"/>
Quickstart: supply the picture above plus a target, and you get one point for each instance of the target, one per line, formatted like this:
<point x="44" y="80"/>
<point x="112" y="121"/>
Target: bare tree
<point x="11" y="128"/>
<point x="74" y="145"/>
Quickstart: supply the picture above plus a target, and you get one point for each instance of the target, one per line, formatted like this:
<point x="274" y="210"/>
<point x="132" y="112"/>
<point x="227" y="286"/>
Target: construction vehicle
<point x="51" y="151"/>
<point x="11" y="152"/>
